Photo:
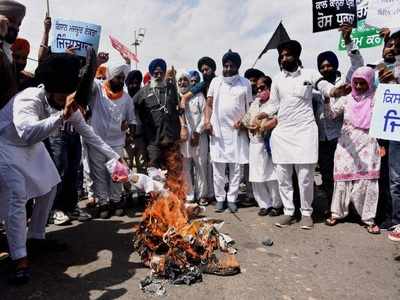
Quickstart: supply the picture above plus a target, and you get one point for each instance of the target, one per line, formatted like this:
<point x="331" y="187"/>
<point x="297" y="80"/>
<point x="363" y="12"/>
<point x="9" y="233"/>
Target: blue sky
<point x="182" y="31"/>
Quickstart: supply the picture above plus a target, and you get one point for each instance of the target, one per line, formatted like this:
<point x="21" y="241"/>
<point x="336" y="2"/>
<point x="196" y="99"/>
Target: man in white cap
<point x="112" y="115"/>
<point x="11" y="16"/>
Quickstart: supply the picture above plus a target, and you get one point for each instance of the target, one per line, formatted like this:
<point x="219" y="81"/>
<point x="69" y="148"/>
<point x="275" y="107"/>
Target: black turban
<point x="293" y="46"/>
<point x="233" y="57"/>
<point x="208" y="61"/>
<point x="132" y="75"/>
<point x="253" y="73"/>
<point x="59" y="73"/>
<point x="11" y="8"/>
<point x="330" y="57"/>
<point x="158" y="62"/>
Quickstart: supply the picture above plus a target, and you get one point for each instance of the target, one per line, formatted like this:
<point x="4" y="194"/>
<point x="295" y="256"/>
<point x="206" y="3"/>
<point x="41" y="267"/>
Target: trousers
<point x="267" y="194"/>
<point x="104" y="189"/>
<point x="219" y="181"/>
<point x="305" y="175"/>
<point x="16" y="220"/>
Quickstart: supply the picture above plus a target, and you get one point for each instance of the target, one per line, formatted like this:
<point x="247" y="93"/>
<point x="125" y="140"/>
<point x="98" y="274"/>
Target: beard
<point x="55" y="105"/>
<point x="11" y="35"/>
<point x="208" y="78"/>
<point x="133" y="91"/>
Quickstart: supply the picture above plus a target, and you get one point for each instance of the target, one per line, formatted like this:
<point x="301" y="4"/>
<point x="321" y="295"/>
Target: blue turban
<point x="195" y="74"/>
<point x="233" y="57"/>
<point x="158" y="62"/>
<point x="330" y="57"/>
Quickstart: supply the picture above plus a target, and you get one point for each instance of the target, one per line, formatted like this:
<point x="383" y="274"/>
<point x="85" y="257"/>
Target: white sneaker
<point x="60" y="218"/>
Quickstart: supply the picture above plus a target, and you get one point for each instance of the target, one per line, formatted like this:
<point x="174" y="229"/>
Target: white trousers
<point x="87" y="180"/>
<point x="219" y="181"/>
<point x="104" y="189"/>
<point x="267" y="194"/>
<point x="16" y="221"/>
<point x="196" y="168"/>
<point x="305" y="175"/>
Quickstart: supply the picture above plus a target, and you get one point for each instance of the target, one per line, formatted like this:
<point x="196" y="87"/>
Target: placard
<point x="75" y="34"/>
<point x="385" y="122"/>
<point x="330" y="14"/>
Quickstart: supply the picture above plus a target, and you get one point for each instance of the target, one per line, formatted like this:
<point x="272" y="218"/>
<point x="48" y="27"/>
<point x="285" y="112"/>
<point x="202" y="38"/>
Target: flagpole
<point x="48" y="8"/>
<point x="255" y="63"/>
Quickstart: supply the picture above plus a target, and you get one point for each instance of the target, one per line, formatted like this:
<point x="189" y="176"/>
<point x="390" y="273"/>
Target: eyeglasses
<point x="261" y="88"/>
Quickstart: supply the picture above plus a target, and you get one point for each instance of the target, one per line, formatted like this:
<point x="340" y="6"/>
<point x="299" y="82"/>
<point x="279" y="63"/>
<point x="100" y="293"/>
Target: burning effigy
<point x="169" y="241"/>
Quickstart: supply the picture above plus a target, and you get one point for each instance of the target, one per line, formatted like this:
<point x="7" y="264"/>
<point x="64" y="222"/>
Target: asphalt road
<point x="342" y="262"/>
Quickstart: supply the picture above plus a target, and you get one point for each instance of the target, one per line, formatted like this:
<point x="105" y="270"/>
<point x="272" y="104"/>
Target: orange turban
<point x="102" y="71"/>
<point x="21" y="46"/>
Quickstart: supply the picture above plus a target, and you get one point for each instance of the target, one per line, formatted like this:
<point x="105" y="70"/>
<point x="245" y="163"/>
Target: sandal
<point x="203" y="202"/>
<point x="331" y="221"/>
<point x="373" y="229"/>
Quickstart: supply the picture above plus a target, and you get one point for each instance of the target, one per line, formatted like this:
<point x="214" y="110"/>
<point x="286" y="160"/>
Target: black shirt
<point x="158" y="111"/>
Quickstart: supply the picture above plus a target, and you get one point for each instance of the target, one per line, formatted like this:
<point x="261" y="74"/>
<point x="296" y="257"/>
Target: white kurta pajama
<point x="26" y="168"/>
<point x="195" y="158"/>
<point x="294" y="141"/>
<point x="106" y="120"/>
<point x="228" y="146"/>
<point x="261" y="168"/>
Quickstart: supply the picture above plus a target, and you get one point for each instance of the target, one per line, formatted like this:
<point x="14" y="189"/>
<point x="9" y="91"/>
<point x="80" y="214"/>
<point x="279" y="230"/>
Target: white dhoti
<point x="305" y="174"/>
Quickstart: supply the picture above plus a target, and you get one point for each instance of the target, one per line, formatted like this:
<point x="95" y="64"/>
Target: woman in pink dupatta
<point x="357" y="157"/>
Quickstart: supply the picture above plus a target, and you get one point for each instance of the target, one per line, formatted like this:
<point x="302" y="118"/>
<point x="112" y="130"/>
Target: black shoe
<point x="386" y="225"/>
<point x="21" y="273"/>
<point x="117" y="208"/>
<point x="80" y="215"/>
<point x="103" y="211"/>
<point x="275" y="212"/>
<point x="264" y="212"/>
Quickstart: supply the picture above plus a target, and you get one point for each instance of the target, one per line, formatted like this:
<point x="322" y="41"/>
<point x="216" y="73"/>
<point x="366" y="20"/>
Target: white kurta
<point x="24" y="123"/>
<point x="108" y="115"/>
<point x="261" y="168"/>
<point x="194" y="114"/>
<point x="230" y="103"/>
<point x="295" y="138"/>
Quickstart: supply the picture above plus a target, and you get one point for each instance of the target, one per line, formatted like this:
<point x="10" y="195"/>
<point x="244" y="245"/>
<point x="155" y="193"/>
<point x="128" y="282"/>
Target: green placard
<point x="364" y="36"/>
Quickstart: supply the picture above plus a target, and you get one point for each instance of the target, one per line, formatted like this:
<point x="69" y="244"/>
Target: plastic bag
<point x="118" y="171"/>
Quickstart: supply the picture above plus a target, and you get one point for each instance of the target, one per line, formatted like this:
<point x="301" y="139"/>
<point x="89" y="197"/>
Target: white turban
<point x="118" y="69"/>
<point x="182" y="74"/>
<point x="10" y="8"/>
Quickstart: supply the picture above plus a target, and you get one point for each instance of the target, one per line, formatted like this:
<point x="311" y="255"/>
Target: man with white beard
<point x="195" y="149"/>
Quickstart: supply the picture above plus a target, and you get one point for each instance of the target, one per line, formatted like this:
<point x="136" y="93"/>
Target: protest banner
<point x="384" y="13"/>
<point x="330" y="14"/>
<point x="362" y="9"/>
<point x="121" y="48"/>
<point x="78" y="35"/>
<point x="385" y="122"/>
<point x="364" y="37"/>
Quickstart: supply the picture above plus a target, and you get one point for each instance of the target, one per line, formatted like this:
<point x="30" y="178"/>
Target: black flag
<point x="280" y="35"/>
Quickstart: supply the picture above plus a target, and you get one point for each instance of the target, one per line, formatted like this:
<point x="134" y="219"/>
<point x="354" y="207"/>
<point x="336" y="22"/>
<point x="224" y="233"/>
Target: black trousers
<point x="326" y="157"/>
